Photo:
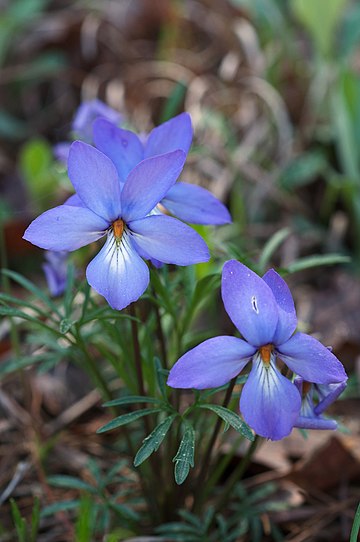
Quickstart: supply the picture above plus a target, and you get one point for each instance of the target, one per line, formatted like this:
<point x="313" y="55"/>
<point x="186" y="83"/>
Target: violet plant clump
<point x="262" y="309"/>
<point x="126" y="186"/>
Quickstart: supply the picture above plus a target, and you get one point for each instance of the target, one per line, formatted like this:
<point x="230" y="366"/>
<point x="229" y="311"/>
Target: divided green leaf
<point x="232" y="419"/>
<point x="152" y="442"/>
<point x="184" y="458"/>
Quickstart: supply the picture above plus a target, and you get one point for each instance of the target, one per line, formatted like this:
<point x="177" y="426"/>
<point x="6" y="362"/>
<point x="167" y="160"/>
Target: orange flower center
<point x="265" y="353"/>
<point x="118" y="228"/>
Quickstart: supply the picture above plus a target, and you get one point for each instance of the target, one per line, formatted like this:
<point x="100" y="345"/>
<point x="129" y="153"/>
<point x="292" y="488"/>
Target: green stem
<point x="199" y="494"/>
<point x="92" y="367"/>
<point x="137" y="351"/>
<point x="160" y="335"/>
<point x="236" y="475"/>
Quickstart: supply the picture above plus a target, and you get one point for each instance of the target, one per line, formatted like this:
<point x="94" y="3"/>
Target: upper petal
<point x="328" y="395"/>
<point x="168" y="240"/>
<point x="315" y="422"/>
<point x="249" y="302"/>
<point x="87" y="113"/>
<point x="310" y="359"/>
<point x="61" y="151"/>
<point x="123" y="147"/>
<point x="286" y="310"/>
<point x="174" y="134"/>
<point x="74" y="201"/>
<point x="148" y="183"/>
<point x="195" y="204"/>
<point x="118" y="273"/>
<point x="269" y="402"/>
<point x="211" y="364"/>
<point x="65" y="228"/>
<point x="95" y="180"/>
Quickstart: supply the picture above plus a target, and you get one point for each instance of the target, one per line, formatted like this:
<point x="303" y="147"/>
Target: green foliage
<point x="231" y="418"/>
<point x="356" y="526"/>
<point x="184" y="459"/>
<point x="25" y="532"/>
<point x="127" y="418"/>
<point x="97" y="503"/>
<point x="316" y="261"/>
<point x="152" y="442"/>
<point x="245" y="510"/>
<point x="36" y="159"/>
<point x="320" y="19"/>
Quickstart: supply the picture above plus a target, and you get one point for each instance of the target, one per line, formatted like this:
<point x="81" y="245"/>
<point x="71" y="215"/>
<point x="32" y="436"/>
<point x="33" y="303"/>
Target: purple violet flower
<point x="82" y="125"/>
<point x="263" y="311"/>
<point x="103" y="206"/>
<point x="186" y="201"/>
<point x="55" y="270"/>
<point x="310" y="412"/>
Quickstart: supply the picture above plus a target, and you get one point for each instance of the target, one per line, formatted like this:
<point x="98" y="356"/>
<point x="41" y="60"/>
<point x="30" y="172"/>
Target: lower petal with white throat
<point x="269" y="403"/>
<point x="117" y="272"/>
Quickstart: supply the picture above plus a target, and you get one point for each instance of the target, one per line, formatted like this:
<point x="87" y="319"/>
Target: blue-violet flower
<point x="104" y="206"/>
<point x="186" y="201"/>
<point x="310" y="413"/>
<point x="262" y="309"/>
<point x="82" y="124"/>
<point x="55" y="270"/>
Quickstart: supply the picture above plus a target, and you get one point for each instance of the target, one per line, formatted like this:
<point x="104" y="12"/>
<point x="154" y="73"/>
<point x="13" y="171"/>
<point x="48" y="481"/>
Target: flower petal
<point x="315" y="422"/>
<point x="269" y="403"/>
<point x="174" y="134"/>
<point x="65" y="228"/>
<point x="123" y="147"/>
<point x="61" y="151"/>
<point x="118" y="273"/>
<point x="86" y="114"/>
<point x="168" y="240"/>
<point x="249" y="302"/>
<point x="310" y="359"/>
<point x="148" y="183"/>
<point x="211" y="364"/>
<point x="328" y="395"/>
<point x="286" y="310"/>
<point x="195" y="204"/>
<point x="95" y="180"/>
<point x="74" y="201"/>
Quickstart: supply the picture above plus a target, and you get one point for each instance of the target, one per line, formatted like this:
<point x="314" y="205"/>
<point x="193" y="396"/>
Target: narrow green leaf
<point x="356" y="526"/>
<point x="232" y="419"/>
<point x="173" y="102"/>
<point x="271" y="246"/>
<point x="317" y="260"/>
<point x="320" y="18"/>
<point x="71" y="482"/>
<point x="152" y="442"/>
<point x="85" y="519"/>
<point x="184" y="458"/>
<point x="14" y="364"/>
<point x="28" y="285"/>
<point x="127" y="418"/>
<point x="19" y="521"/>
<point x="35" y="520"/>
<point x="59" y="507"/>
<point x="7" y="299"/>
<point x="124" y="511"/>
<point x="161" y="377"/>
<point x="131" y="399"/>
